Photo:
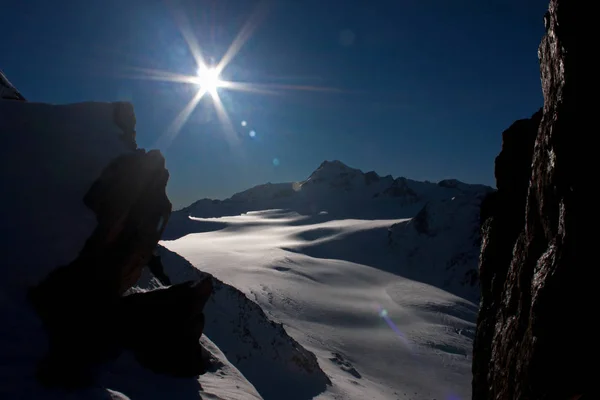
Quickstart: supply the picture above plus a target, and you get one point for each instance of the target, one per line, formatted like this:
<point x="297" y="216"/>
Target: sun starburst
<point x="208" y="78"/>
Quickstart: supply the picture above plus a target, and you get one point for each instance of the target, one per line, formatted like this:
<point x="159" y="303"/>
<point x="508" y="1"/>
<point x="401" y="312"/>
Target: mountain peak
<point x="332" y="170"/>
<point x="333" y="164"/>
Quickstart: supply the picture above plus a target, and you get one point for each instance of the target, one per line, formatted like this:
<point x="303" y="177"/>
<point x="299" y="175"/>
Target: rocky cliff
<point x="534" y="327"/>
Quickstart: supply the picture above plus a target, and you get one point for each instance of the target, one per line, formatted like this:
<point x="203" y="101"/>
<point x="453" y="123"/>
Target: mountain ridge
<point x="340" y="176"/>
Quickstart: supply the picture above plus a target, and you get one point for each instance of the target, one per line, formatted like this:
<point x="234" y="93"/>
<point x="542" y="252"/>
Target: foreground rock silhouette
<point x="116" y="206"/>
<point x="163" y="327"/>
<point x="534" y="327"/>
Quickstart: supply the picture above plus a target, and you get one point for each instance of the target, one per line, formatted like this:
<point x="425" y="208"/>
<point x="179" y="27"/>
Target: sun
<point x="208" y="79"/>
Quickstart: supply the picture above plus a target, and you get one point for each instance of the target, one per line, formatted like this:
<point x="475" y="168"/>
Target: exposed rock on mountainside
<point x="170" y="346"/>
<point x="535" y="324"/>
<point x="502" y="217"/>
<point x="442" y="242"/>
<point x="401" y="189"/>
<point x="8" y="91"/>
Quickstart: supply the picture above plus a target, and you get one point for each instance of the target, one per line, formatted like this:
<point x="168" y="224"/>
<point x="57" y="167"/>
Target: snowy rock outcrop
<point x="83" y="212"/>
<point x="258" y="347"/>
<point x="535" y="326"/>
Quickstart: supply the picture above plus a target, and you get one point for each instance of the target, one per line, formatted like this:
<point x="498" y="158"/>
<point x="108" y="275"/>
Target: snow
<point x="442" y="243"/>
<point x="258" y="347"/>
<point x="327" y="281"/>
<point x="222" y="381"/>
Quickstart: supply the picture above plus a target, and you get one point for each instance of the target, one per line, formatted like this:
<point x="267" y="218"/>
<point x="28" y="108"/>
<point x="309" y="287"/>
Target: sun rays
<point x="208" y="77"/>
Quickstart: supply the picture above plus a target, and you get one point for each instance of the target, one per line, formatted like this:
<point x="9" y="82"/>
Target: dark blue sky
<point x="428" y="86"/>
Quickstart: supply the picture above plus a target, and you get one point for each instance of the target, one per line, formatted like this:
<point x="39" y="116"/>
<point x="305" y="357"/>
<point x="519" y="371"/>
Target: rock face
<point x="8" y="91"/>
<point x="124" y="118"/>
<point x="502" y="217"/>
<point x="534" y="326"/>
<point x="163" y="327"/>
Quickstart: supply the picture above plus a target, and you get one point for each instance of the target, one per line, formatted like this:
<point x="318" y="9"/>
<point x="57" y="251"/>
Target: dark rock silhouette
<point x="82" y="305"/>
<point x="155" y="266"/>
<point x="502" y="216"/>
<point x="534" y="327"/>
<point x="124" y="118"/>
<point x="78" y="303"/>
<point x="8" y="91"/>
<point x="399" y="188"/>
<point x="163" y="327"/>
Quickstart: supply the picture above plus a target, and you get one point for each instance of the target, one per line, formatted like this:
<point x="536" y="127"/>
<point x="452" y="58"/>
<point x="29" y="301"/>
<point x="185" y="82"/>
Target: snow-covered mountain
<point x="339" y="190"/>
<point x="443" y="242"/>
<point x="374" y="275"/>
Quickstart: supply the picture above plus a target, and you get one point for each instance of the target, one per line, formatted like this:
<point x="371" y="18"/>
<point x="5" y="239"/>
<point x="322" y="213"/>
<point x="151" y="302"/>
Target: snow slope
<point x="260" y="348"/>
<point x="441" y="244"/>
<point x="374" y="275"/>
<point x="331" y="283"/>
